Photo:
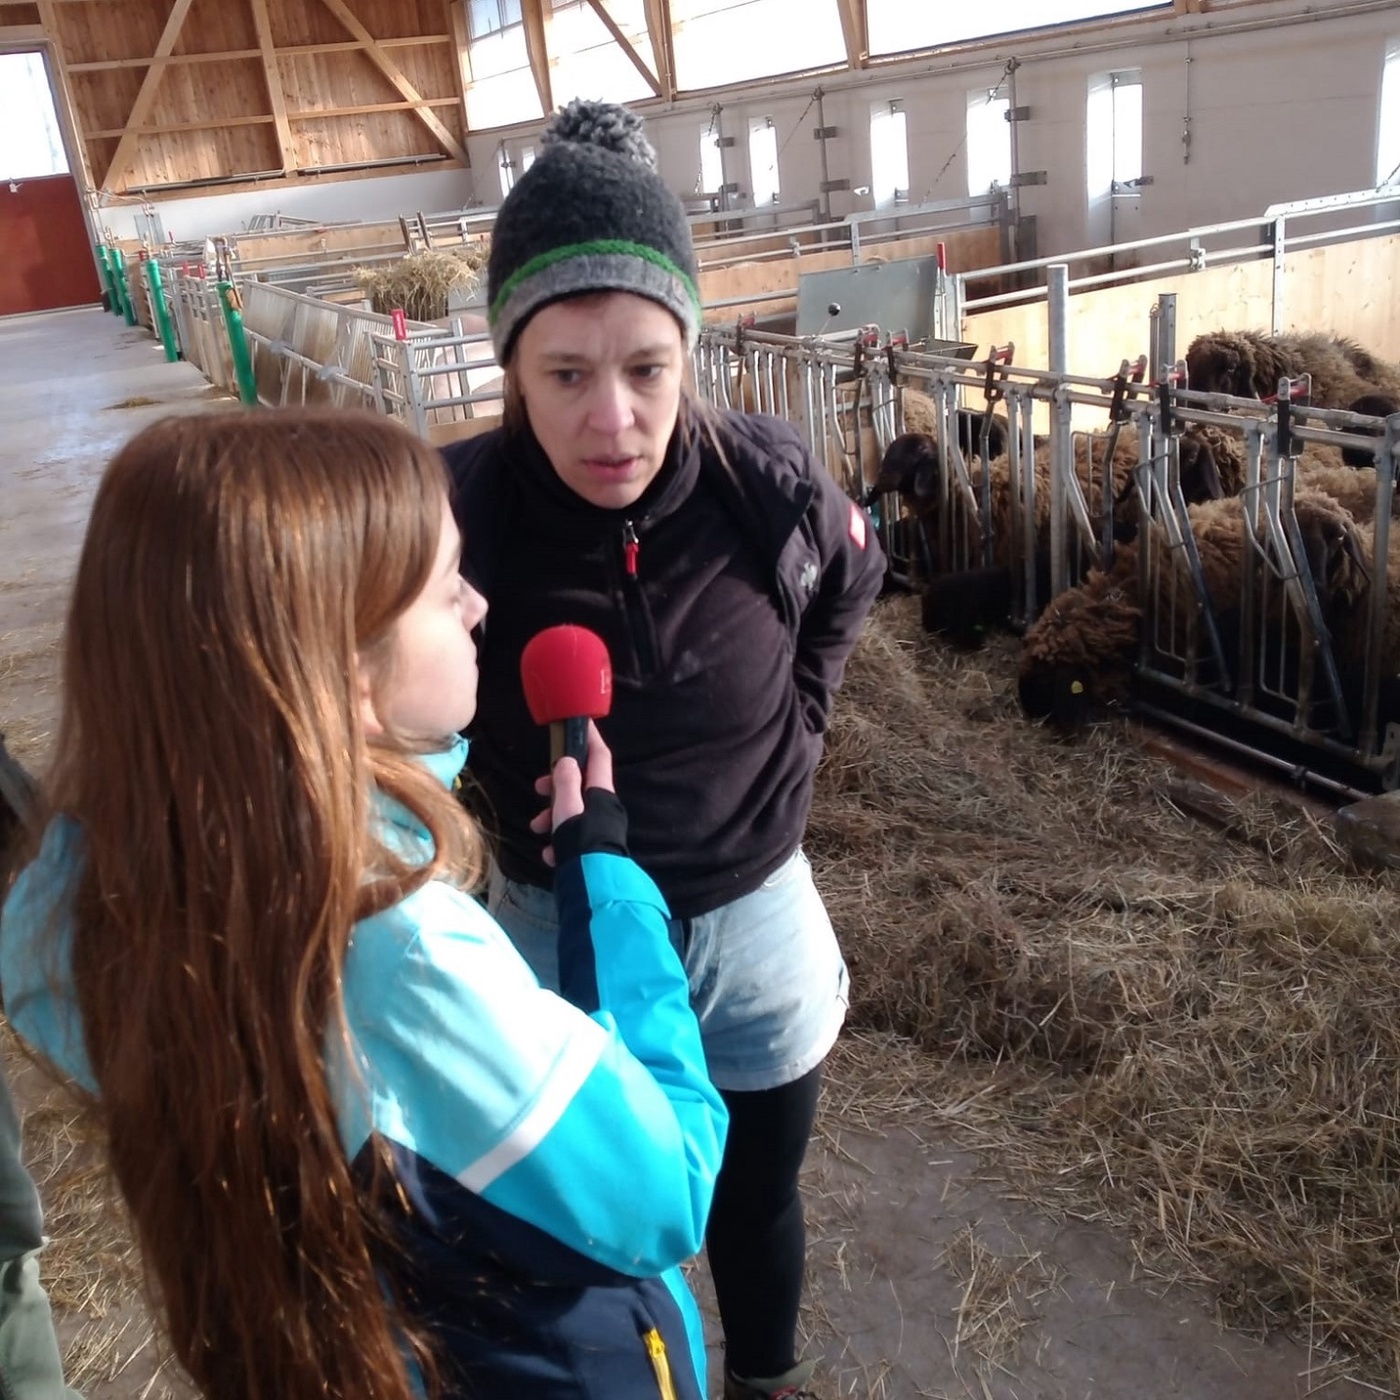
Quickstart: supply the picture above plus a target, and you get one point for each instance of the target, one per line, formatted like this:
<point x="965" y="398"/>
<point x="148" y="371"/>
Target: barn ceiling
<point x="171" y="94"/>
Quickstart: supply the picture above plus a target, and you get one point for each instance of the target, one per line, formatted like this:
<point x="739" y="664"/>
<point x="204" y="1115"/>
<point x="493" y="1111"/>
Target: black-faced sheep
<point x="1081" y="651"/>
<point x="1377" y="405"/>
<point x="964" y="604"/>
<point x="1249" y="365"/>
<point x="921" y="416"/>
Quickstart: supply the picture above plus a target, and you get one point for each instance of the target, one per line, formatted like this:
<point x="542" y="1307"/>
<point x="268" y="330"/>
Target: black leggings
<point x="756" y="1241"/>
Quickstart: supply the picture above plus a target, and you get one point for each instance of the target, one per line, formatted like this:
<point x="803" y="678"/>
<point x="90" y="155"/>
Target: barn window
<point x="502" y="89"/>
<point x="988" y="140"/>
<point x="1113" y="130"/>
<point x="585" y="59"/>
<point x="889" y="153"/>
<point x="896" y="26"/>
<point x="718" y="42"/>
<point x="711" y="160"/>
<point x="1388" y="121"/>
<point x="763" y="161"/>
<point x="31" y="145"/>
<point x="487" y="17"/>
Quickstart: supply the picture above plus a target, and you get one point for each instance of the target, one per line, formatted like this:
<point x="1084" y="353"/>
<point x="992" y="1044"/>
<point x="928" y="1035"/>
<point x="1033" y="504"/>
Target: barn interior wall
<point x="326" y="199"/>
<point x="1276" y="113"/>
<point x="1283" y="111"/>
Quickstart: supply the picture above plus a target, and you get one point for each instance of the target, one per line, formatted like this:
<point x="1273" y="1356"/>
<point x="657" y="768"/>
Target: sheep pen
<point x="1197" y="1041"/>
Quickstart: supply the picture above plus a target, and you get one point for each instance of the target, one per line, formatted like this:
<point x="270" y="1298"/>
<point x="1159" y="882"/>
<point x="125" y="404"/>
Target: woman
<point x="364" y="1151"/>
<point x="729" y="576"/>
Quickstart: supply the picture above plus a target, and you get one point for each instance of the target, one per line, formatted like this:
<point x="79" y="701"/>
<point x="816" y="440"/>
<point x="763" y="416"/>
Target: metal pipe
<point x="160" y="312"/>
<point x="123" y="286"/>
<point x="1057" y="290"/>
<point x="232" y="305"/>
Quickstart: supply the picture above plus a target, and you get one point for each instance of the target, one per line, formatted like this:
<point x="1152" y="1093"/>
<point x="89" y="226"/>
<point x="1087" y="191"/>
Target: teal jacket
<point x="557" y="1154"/>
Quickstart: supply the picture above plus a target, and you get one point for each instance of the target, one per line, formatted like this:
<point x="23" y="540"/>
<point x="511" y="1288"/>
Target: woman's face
<point x="600" y="378"/>
<point x="426" y="687"/>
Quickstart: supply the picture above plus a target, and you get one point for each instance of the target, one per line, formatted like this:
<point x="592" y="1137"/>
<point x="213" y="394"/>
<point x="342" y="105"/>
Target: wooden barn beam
<point x="278" y="98"/>
<point x="136" y="118"/>
<point x="63" y="92"/>
<point x="223" y="55"/>
<point x="532" y="12"/>
<point x="625" y="44"/>
<point x="391" y="70"/>
<point x="457" y="15"/>
<point x="663" y="44"/>
<point x="856" y="31"/>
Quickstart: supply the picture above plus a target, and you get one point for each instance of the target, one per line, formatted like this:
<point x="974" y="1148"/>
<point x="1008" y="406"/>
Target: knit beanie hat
<point x="590" y="215"/>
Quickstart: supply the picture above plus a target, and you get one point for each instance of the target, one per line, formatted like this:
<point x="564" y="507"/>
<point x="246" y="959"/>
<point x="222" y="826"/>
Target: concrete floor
<point x="887" y="1200"/>
<point x="64" y="378"/>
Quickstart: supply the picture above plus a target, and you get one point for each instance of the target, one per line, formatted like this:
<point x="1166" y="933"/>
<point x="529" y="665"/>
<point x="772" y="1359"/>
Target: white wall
<point x="1284" y="109"/>
<point x="322" y="198"/>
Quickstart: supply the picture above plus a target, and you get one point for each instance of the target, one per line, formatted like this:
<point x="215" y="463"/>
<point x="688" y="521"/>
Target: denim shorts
<point x="767" y="979"/>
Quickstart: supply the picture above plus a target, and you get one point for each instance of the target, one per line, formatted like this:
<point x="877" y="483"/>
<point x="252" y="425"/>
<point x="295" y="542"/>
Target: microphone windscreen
<point x="567" y="674"/>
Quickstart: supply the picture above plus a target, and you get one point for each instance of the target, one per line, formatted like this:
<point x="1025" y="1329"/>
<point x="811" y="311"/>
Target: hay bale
<point x="1195" y="1038"/>
<point x="421" y="284"/>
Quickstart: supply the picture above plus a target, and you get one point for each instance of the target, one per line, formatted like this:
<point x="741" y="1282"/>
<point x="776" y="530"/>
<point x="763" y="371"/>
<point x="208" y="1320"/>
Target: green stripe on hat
<point x="613" y="246"/>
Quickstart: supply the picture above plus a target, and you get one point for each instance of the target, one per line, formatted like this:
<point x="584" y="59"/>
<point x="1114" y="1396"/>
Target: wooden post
<point x="274" y="84"/>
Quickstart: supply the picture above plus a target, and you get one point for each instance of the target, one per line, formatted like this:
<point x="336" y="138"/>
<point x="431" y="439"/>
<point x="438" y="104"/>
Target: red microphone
<point x="567" y="676"/>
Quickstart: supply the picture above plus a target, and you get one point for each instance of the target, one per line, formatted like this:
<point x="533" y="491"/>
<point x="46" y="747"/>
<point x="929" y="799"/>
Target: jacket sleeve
<point x="852" y="569"/>
<point x="602" y="1130"/>
<point x="30" y="1366"/>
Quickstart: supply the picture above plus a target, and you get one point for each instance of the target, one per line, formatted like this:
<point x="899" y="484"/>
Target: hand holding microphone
<point x="567" y="676"/>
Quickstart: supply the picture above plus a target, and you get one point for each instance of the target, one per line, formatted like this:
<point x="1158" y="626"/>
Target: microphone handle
<point x="569" y="738"/>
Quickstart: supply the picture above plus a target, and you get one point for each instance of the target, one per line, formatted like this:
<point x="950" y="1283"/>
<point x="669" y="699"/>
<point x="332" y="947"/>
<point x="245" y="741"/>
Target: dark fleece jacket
<point x="752" y="579"/>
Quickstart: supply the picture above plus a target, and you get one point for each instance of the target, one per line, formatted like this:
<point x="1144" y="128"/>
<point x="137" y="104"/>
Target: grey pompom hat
<point x="590" y="215"/>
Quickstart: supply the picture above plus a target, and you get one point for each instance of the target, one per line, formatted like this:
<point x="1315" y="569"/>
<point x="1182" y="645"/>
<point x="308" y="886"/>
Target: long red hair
<point x="235" y="568"/>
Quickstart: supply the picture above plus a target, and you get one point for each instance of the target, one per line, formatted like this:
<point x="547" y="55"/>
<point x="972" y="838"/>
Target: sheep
<point x="921" y="416"/>
<point x="1377" y="405"/>
<point x="1249" y="365"/>
<point x="964" y="605"/>
<point x="1317" y="465"/>
<point x="1080" y="652"/>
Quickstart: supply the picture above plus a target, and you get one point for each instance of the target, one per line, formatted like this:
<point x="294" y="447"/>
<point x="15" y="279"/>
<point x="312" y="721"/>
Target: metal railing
<point x="1281" y="652"/>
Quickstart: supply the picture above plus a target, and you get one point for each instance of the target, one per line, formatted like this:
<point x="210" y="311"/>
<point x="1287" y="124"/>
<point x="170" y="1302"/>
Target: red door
<point x="45" y="253"/>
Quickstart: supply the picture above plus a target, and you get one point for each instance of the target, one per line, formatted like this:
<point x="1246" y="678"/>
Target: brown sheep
<point x="1081" y="650"/>
<point x="1249" y="365"/>
<point x="1318" y="465"/>
<point x="965" y="604"/>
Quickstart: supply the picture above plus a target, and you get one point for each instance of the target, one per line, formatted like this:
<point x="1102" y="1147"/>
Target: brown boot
<point x="791" y="1385"/>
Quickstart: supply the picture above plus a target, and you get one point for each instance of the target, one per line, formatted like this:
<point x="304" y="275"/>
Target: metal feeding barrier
<point x="429" y="378"/>
<point x="1270" y="665"/>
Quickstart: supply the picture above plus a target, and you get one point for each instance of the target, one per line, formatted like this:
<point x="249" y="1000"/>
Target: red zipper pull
<point x="631" y="548"/>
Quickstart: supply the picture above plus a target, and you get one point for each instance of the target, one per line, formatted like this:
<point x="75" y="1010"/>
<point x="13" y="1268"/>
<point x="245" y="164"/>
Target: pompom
<point x="604" y="124"/>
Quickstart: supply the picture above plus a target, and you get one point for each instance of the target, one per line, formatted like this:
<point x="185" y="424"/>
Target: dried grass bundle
<point x="420" y="284"/>
<point x="1192" y="1032"/>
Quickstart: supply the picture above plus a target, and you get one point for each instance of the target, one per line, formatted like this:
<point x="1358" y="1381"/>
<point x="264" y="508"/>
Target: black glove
<point x="600" y="830"/>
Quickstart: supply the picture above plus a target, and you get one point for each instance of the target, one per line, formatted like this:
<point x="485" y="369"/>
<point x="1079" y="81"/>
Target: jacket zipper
<point x="637" y="623"/>
<point x="660" y="1363"/>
